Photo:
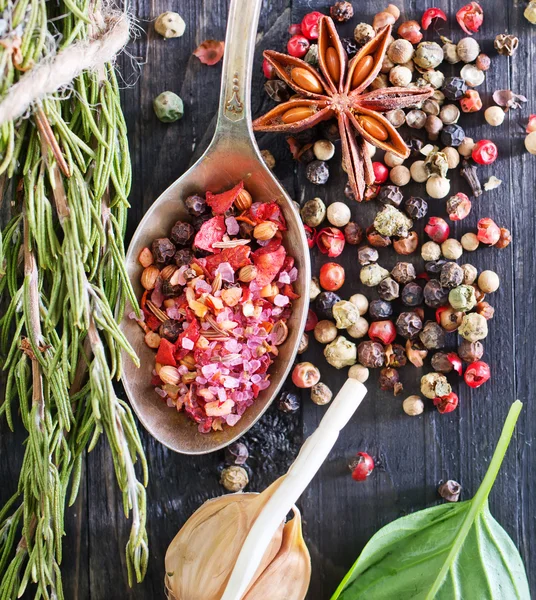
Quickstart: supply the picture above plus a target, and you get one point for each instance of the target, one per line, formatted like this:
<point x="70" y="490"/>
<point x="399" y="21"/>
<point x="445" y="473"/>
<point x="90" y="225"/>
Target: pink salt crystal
<point x="276" y="312"/>
<point x="232" y="226"/>
<point x="256" y="378"/>
<point x="202" y="286"/>
<point x="284" y="277"/>
<point x="293" y="274"/>
<point x="230" y="382"/>
<point x="281" y="300"/>
<point x="160" y="392"/>
<point x="226" y="272"/>
<point x="187" y="343"/>
<point x="170" y="402"/>
<point x="232" y="419"/>
<point x="222" y="396"/>
<point x="180" y="274"/>
<point x="132" y="315"/>
<point x="182" y="369"/>
<point x="209" y="370"/>
<point x="173" y="313"/>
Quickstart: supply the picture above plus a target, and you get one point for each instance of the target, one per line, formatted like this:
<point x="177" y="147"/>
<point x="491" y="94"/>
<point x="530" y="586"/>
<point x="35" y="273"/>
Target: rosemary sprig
<point x="66" y="172"/>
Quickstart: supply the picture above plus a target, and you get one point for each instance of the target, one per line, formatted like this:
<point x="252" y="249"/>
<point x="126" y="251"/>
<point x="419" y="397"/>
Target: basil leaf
<point x="446" y="552"/>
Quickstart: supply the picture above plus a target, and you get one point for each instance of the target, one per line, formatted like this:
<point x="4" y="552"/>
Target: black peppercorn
<point x="416" y="207"/>
<point x="246" y="229"/>
<point x="389" y="380"/>
<point x="341" y="11"/>
<point x="306" y="136"/>
<point x="408" y="324"/>
<point x="195" y="205"/>
<point x="236" y="454"/>
<point x="277" y="90"/>
<point x="469" y="172"/>
<point x="169" y="290"/>
<point x="371" y="354"/>
<point x="432" y="336"/>
<point x="451" y="275"/>
<point x="380" y="309"/>
<point x="435" y="266"/>
<point x="415" y="145"/>
<point x="470" y="351"/>
<point x="367" y="255"/>
<point x="170" y="330"/>
<point x="317" y="172"/>
<point x="454" y="88"/>
<point x="348" y="192"/>
<point x="163" y="249"/>
<point x="350" y="45"/>
<point x="452" y="135"/>
<point x="388" y="289"/>
<point x="199" y="220"/>
<point x="435" y="295"/>
<point x="324" y="304"/>
<point x="441" y="363"/>
<point x="395" y="356"/>
<point x="353" y="233"/>
<point x="288" y="402"/>
<point x="390" y="194"/>
<point x="182" y="257"/>
<point x="412" y="294"/>
<point x="182" y="233"/>
<point x="306" y="154"/>
<point x="403" y="272"/>
<point x="376" y="239"/>
<point x="330" y="131"/>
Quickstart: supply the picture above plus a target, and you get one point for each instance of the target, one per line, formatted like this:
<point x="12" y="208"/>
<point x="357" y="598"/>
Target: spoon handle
<point x="235" y="96"/>
<point x="310" y="458"/>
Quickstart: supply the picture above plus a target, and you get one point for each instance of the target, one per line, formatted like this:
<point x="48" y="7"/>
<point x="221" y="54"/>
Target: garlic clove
<point x="288" y="574"/>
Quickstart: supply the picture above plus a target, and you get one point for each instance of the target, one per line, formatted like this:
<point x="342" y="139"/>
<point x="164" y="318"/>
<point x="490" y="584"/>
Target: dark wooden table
<point x="413" y="454"/>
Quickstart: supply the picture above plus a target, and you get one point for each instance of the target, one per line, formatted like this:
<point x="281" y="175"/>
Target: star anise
<point x="338" y="91"/>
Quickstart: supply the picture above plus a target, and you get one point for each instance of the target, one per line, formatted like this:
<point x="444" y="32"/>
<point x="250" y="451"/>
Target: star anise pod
<point x="339" y="91"/>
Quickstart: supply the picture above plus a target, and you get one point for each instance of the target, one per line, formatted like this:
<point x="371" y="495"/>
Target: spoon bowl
<point x="231" y="157"/>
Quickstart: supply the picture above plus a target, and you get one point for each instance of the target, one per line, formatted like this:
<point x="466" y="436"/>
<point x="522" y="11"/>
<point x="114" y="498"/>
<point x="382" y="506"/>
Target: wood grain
<point x="413" y="454"/>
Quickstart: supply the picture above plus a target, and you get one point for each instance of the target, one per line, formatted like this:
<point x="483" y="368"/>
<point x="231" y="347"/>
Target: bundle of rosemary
<point x="65" y="174"/>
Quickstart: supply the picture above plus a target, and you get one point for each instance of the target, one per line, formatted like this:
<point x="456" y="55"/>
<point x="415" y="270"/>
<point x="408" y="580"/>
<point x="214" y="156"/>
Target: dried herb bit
<point x="450" y="490"/>
<point x="441" y="538"/>
<point x="236" y="454"/>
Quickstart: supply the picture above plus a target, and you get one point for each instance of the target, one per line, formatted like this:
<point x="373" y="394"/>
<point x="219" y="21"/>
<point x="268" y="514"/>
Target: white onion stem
<point x="312" y="454"/>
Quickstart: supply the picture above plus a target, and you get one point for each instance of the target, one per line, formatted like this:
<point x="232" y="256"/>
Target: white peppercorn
<point x="470" y="242"/>
<point x="451" y="53"/>
<point x="325" y="331"/>
<point x="494" y="115"/>
<point x="361" y="302"/>
<point x="400" y="175"/>
<point x="359" y="372"/>
<point x="433" y="126"/>
<point x="397" y="118"/>
<point x="400" y="76"/>
<point x="434" y="78"/>
<point x="321" y="394"/>
<point x="469" y="274"/>
<point x="472" y="76"/>
<point x="453" y="156"/>
<point x="428" y="55"/>
<point x="387" y="65"/>
<point x="468" y="49"/>
<point x="437" y="186"/>
<point x="413" y="406"/>
<point x="416" y="119"/>
<point x="431" y="251"/>
<point x="371" y="149"/>
<point x="451" y="249"/>
<point x="400" y="51"/>
<point x="530" y="142"/>
<point x="488" y="282"/>
<point x="314" y="288"/>
<point x="323" y="149"/>
<point x="313" y="212"/>
<point x="466" y="147"/>
<point x="359" y="329"/>
<point x="474" y="327"/>
<point x="449" y="114"/>
<point x="392" y="160"/>
<point x="339" y="214"/>
<point x="419" y="172"/>
<point x="170" y="25"/>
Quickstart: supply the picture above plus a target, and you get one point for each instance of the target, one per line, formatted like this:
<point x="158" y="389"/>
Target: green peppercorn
<point x="341" y="353"/>
<point x="462" y="298"/>
<point x="372" y="274"/>
<point x="434" y="385"/>
<point x="313" y="212"/>
<point x="474" y="327"/>
<point x="391" y="221"/>
<point x="345" y="314"/>
<point x="168" y="107"/>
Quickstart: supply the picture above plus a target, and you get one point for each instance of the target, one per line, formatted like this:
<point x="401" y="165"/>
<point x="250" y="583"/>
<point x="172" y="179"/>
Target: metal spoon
<point x="232" y="156"/>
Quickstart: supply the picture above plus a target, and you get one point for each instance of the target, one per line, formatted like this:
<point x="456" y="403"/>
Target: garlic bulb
<point x="202" y="555"/>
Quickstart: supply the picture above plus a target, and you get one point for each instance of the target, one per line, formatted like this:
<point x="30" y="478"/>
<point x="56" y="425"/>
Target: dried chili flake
<point x="166" y="353"/>
<point x="211" y="231"/>
<point x="219" y="203"/>
<point x="268" y="264"/>
<point x="237" y="257"/>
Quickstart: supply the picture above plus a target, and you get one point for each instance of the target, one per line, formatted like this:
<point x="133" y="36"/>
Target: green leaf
<point x="451" y="551"/>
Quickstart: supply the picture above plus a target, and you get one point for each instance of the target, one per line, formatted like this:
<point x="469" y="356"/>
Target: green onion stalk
<point x="65" y="175"/>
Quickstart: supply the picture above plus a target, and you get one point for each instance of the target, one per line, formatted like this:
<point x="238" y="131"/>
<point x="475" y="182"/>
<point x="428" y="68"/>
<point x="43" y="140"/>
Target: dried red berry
<point x="446" y="404"/>
<point x="431" y="14"/>
<point x="411" y="31"/>
<point x="297" y="46"/>
<point x="362" y="466"/>
<point x="455" y="361"/>
<point x="305" y="375"/>
<point x="309" y="25"/>
<point x="488" y="231"/>
<point x="295" y="29"/>
<point x="331" y="276"/>
<point x="531" y="126"/>
<point x="476" y="374"/>
<point x="381" y="172"/>
<point x="437" y="229"/>
<point x="458" y="207"/>
<point x="382" y="331"/>
<point x="210" y="52"/>
<point x="330" y="241"/>
<point x="268" y="70"/>
<point x="311" y="321"/>
<point x="470" y="17"/>
<point x="485" y="152"/>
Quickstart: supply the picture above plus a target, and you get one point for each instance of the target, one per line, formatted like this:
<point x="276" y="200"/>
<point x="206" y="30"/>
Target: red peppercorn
<point x="330" y="241"/>
<point x="455" y="361"/>
<point x="332" y="276"/>
<point x="470" y="17"/>
<point x="268" y="70"/>
<point x="437" y="229"/>
<point x="488" y="231"/>
<point x="458" y="206"/>
<point x="295" y="29"/>
<point x="382" y="331"/>
<point x="485" y="152"/>
<point x="431" y="14"/>
<point x="476" y="374"/>
<point x="362" y="466"/>
<point x="471" y="102"/>
<point x="531" y="126"/>
<point x="297" y="46"/>
<point x="309" y="25"/>
<point x="310" y="234"/>
<point x="381" y="172"/>
<point x="311" y="321"/>
<point x="411" y="31"/>
<point x="446" y="404"/>
<point x="505" y="239"/>
<point x="305" y="375"/>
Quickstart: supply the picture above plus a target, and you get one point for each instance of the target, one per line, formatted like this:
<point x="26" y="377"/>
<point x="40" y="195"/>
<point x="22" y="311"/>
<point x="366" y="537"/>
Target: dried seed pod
<point x="506" y="44"/>
<point x="149" y="276"/>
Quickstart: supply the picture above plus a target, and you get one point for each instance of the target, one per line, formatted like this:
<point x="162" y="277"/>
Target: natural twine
<point x="52" y="74"/>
